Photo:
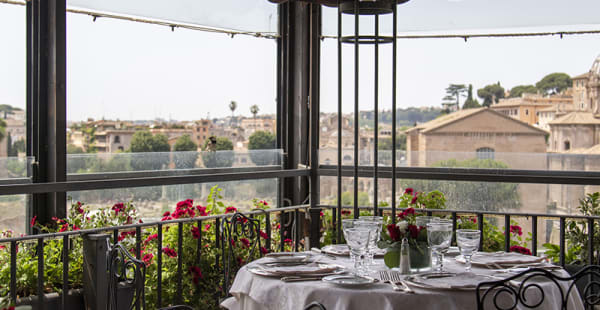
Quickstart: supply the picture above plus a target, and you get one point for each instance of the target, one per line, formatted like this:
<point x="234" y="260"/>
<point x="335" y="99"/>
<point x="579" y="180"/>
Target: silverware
<point x="396" y="278"/>
<point x="386" y="278"/>
<point x="317" y="250"/>
<point x="300" y="279"/>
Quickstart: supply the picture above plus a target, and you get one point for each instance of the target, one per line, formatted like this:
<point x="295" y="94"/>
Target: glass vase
<point x="420" y="257"/>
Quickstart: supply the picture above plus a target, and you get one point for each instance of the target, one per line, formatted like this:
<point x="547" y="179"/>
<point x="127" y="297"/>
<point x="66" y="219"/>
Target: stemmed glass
<point x="439" y="236"/>
<point x="376" y="222"/>
<point x="468" y="243"/>
<point x="358" y="239"/>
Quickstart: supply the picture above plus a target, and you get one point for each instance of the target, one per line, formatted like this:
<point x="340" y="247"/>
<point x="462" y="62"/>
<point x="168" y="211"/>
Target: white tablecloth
<point x="253" y="292"/>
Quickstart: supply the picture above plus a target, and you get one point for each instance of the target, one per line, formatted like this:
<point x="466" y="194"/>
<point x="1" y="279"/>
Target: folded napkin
<point x="307" y="269"/>
<point x="465" y="280"/>
<point x="504" y="259"/>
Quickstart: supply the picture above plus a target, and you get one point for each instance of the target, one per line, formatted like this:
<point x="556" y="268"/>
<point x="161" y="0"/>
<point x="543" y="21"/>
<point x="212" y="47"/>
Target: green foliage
<point x="554" y="83"/>
<point x="262" y="140"/>
<point x="219" y="155"/>
<point x="404" y="117"/>
<point x="491" y="94"/>
<point x="483" y="196"/>
<point x="144" y="141"/>
<point x="185" y="155"/>
<point x="348" y="199"/>
<point x="453" y="94"/>
<point x="493" y="237"/>
<point x="385" y="144"/>
<point x="471" y="103"/>
<point x="519" y="90"/>
<point x="2" y="129"/>
<point x="577" y="234"/>
<point x="72" y="149"/>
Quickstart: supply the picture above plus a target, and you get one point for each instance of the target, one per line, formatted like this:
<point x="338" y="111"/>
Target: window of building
<point x="567" y="145"/>
<point x="526" y="112"/>
<point x="117" y="139"/>
<point x="485" y="153"/>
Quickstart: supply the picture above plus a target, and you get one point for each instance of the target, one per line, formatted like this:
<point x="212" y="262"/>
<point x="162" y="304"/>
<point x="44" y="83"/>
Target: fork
<point x="385" y="277"/>
<point x="397" y="279"/>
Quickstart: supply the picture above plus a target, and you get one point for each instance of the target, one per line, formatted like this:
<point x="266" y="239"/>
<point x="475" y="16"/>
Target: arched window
<point x="567" y="145"/>
<point x="117" y="139"/>
<point x="485" y="153"/>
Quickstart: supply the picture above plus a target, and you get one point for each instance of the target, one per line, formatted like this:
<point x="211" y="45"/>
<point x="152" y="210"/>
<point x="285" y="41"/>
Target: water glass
<point x="376" y="222"/>
<point x="358" y="239"/>
<point x="468" y="243"/>
<point x="439" y="236"/>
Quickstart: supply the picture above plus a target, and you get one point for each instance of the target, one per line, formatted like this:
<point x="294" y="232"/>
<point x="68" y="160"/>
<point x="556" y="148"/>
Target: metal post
<point x="95" y="271"/>
<point x="315" y="227"/>
<point x="356" y="111"/>
<point x="315" y="63"/>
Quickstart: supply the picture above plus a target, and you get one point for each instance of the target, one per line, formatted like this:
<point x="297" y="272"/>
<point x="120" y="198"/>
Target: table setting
<point x="361" y="275"/>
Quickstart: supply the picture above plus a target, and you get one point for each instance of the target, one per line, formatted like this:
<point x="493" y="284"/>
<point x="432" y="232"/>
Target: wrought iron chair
<point x="127" y="277"/>
<point x="233" y="229"/>
<point x="315" y="306"/>
<point x="505" y="294"/>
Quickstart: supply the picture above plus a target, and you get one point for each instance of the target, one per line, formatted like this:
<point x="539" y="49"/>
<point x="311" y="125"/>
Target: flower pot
<point x="420" y="257"/>
<point x="52" y="301"/>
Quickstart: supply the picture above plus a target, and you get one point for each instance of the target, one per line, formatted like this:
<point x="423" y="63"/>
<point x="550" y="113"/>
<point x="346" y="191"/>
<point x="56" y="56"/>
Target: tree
<point x="2" y="130"/>
<point x="6" y="109"/>
<point x="218" y="152"/>
<point x="490" y="94"/>
<point x="554" y="83"/>
<point x="185" y="155"/>
<point x="145" y="142"/>
<point x="481" y="196"/>
<point x="471" y="103"/>
<point x="232" y="106"/>
<point x="254" y="110"/>
<point x="72" y="149"/>
<point x="519" y="90"/>
<point x="262" y="140"/>
<point x="453" y="94"/>
<point x="348" y="199"/>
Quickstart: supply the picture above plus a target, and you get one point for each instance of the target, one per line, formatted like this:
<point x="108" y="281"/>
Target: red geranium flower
<point x="33" y="221"/>
<point x="264" y="235"/>
<point x="230" y="210"/>
<point x="288" y="241"/>
<point x="346" y="212"/>
<point x="520" y="249"/>
<point x="147" y="259"/>
<point x="245" y="242"/>
<point x="169" y="252"/>
<point x="515" y="229"/>
<point x="414" y="231"/>
<point x="409" y="191"/>
<point x="195" y="232"/>
<point x="207" y="227"/>
<point x="263" y="250"/>
<point x="202" y="211"/>
<point x="64" y="227"/>
<point x="414" y="199"/>
<point x="118" y="207"/>
<point x="150" y="238"/>
<point x="185" y="203"/>
<point x="394" y="232"/>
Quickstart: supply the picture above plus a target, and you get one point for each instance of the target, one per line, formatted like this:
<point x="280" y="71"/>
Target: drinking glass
<point x="376" y="222"/>
<point x="439" y="236"/>
<point x="358" y="239"/>
<point x="468" y="243"/>
<point x="348" y="223"/>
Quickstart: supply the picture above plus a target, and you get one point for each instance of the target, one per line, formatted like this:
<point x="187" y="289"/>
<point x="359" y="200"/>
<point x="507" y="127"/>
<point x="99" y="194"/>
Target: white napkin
<point x="502" y="259"/>
<point x="308" y="269"/>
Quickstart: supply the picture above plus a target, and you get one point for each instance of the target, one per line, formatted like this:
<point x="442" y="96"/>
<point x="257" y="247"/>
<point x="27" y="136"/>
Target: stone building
<point x="527" y="108"/>
<point x="475" y="133"/>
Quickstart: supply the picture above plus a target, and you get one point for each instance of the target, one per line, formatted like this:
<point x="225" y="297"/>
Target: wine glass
<point x="468" y="243"/>
<point x="358" y="239"/>
<point x="376" y="222"/>
<point x="439" y="236"/>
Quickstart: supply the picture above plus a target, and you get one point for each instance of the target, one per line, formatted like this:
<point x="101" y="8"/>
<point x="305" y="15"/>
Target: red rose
<point x="414" y="231"/>
<point x="202" y="211"/>
<point x="394" y="232"/>
<point x="346" y="212"/>
<point x="150" y="238"/>
<point x="166" y="213"/>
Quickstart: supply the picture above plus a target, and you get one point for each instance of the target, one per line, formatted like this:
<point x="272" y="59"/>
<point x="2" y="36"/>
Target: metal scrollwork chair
<point x="526" y="289"/>
<point x="127" y="277"/>
<point x="238" y="228"/>
<point x="315" y="306"/>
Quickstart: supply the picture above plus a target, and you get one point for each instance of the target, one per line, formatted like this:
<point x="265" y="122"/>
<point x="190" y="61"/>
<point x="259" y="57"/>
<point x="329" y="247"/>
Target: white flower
<point x="403" y="226"/>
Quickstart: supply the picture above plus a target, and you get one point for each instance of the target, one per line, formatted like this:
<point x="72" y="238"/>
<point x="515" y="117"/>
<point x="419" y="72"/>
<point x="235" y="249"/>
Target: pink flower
<point x="230" y="210"/>
<point x="207" y="227"/>
<point x="245" y="242"/>
<point x="414" y="200"/>
<point x="186" y="203"/>
<point x="409" y="191"/>
<point x="32" y="223"/>
<point x="64" y="227"/>
<point x="321" y="214"/>
<point x="520" y="249"/>
<point x="515" y="229"/>
<point x="264" y="235"/>
<point x="264" y="202"/>
<point x="263" y="250"/>
<point x="288" y="241"/>
<point x="169" y="252"/>
<point x="150" y="238"/>
<point x="147" y="259"/>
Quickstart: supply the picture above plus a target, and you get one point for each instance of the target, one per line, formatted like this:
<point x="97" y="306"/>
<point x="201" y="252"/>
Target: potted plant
<point x="412" y="229"/>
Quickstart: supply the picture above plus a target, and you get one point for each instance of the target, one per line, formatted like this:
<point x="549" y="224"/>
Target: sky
<point x="126" y="70"/>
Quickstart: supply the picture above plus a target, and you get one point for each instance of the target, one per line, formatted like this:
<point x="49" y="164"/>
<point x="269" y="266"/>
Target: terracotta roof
<point x="445" y="119"/>
<point x="581" y="76"/>
<point x="581" y="118"/>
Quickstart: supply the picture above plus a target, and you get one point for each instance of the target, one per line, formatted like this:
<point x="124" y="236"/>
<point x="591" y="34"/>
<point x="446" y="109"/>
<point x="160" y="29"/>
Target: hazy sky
<point x="126" y="70"/>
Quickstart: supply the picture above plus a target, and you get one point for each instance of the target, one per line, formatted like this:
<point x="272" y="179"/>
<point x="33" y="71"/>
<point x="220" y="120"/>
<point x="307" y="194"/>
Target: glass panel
<point x="242" y="15"/>
<point x="464" y="16"/>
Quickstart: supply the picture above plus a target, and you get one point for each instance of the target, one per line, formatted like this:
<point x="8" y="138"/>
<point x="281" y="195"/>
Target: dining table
<point x="252" y="291"/>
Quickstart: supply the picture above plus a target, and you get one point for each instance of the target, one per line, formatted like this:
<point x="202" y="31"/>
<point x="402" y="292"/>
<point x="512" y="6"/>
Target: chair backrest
<point x="526" y="289"/>
<point x="126" y="279"/>
<point x="236" y="229"/>
<point x="315" y="306"/>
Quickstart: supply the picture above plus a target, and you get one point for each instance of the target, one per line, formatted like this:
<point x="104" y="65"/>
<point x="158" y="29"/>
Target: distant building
<point x="527" y="108"/>
<point x="113" y="140"/>
<point x="481" y="133"/>
<point x="252" y="125"/>
<point x="201" y="130"/>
